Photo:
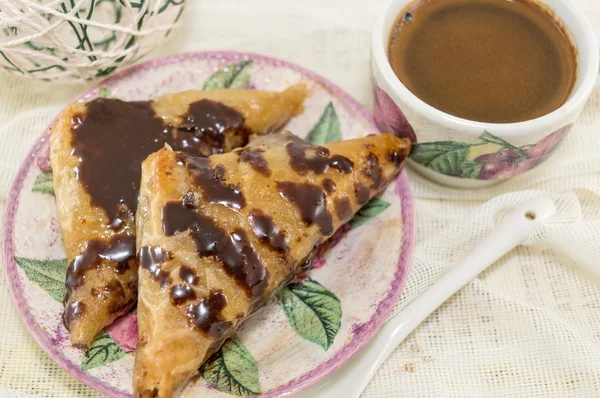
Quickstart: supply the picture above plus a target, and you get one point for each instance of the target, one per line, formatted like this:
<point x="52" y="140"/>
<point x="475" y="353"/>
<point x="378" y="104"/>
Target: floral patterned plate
<point x="314" y="325"/>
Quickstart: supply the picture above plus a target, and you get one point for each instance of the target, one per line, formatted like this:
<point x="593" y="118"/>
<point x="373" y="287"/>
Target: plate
<point x="312" y="328"/>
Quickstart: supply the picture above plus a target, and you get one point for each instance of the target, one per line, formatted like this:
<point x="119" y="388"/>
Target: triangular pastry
<point x="218" y="236"/>
<point x="96" y="154"/>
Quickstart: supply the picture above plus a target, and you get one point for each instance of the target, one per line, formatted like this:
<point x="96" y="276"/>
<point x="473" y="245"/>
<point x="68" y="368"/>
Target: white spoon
<point x="353" y="377"/>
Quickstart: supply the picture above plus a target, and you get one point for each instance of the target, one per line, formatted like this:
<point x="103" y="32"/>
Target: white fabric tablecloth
<point x="529" y="326"/>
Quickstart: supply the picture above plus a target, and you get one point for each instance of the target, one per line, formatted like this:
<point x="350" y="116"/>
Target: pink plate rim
<point x="362" y="334"/>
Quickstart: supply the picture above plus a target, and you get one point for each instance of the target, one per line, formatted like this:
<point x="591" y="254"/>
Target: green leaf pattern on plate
<point x="234" y="76"/>
<point x="43" y="184"/>
<point x="327" y="128"/>
<point x="102" y="351"/>
<point x="232" y="369"/>
<point x="47" y="274"/>
<point x="50" y="276"/>
<point x="368" y="211"/>
<point x="313" y="311"/>
<point x="104" y="92"/>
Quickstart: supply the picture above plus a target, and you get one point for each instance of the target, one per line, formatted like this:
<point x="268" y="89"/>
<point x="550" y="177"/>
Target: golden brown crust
<point x="104" y="293"/>
<point x="263" y="111"/>
<point x="172" y="344"/>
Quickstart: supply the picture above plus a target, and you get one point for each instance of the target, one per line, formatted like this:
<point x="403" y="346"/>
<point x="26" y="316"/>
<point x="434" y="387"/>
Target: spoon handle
<point x="352" y="379"/>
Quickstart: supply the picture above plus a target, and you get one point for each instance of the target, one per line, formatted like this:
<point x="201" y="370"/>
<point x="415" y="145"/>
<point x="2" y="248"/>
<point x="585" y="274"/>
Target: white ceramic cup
<point x="470" y="154"/>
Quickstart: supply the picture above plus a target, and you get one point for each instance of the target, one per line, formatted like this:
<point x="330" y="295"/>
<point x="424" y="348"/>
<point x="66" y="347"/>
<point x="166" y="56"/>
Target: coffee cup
<point x="466" y="153"/>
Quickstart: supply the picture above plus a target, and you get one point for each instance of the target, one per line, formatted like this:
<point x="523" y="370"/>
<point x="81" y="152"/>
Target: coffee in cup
<point x="497" y="61"/>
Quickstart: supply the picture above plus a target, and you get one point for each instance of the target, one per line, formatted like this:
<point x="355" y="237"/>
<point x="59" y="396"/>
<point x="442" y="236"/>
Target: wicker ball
<point x="78" y="40"/>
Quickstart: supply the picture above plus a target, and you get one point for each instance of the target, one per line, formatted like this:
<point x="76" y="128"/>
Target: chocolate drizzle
<point x="319" y="163"/>
<point x="341" y="163"/>
<point x="242" y="261"/>
<point x="373" y="171"/>
<point x="211" y="182"/>
<point x="328" y="185"/>
<point x="188" y="275"/>
<point x="396" y="158"/>
<point x="151" y="258"/>
<point x="182" y="293"/>
<point x="177" y="217"/>
<point x="112" y="139"/>
<point x="310" y="200"/>
<point x="206" y="315"/>
<point x="120" y="249"/>
<point x="343" y="208"/>
<point x="362" y="194"/>
<point x="234" y="250"/>
<point x="255" y="159"/>
<point x="265" y="229"/>
<point x="205" y="126"/>
<point x="73" y="311"/>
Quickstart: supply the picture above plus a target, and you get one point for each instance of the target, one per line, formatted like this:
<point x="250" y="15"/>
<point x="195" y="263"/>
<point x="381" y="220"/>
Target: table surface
<point x="527" y="326"/>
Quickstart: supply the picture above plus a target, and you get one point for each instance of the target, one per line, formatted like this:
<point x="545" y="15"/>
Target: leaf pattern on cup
<point x="447" y="157"/>
<point x="389" y="117"/>
<point x="491" y="158"/>
<point x="509" y="162"/>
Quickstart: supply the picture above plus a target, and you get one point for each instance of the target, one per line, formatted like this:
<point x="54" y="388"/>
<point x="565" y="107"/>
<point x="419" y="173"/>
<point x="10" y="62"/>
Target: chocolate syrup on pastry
<point x="113" y="137"/>
<point x="211" y="180"/>
<point x="310" y="200"/>
<point x="319" y="163"/>
<point x="151" y="258"/>
<point x="254" y="157"/>
<point x="206" y="315"/>
<point x="266" y="230"/>
<point x="233" y="249"/>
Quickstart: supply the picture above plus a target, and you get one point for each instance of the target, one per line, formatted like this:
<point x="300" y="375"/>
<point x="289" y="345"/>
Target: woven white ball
<point x="81" y="39"/>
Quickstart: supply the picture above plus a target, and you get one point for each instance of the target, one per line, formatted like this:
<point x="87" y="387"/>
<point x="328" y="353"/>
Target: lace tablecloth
<point x="529" y="326"/>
